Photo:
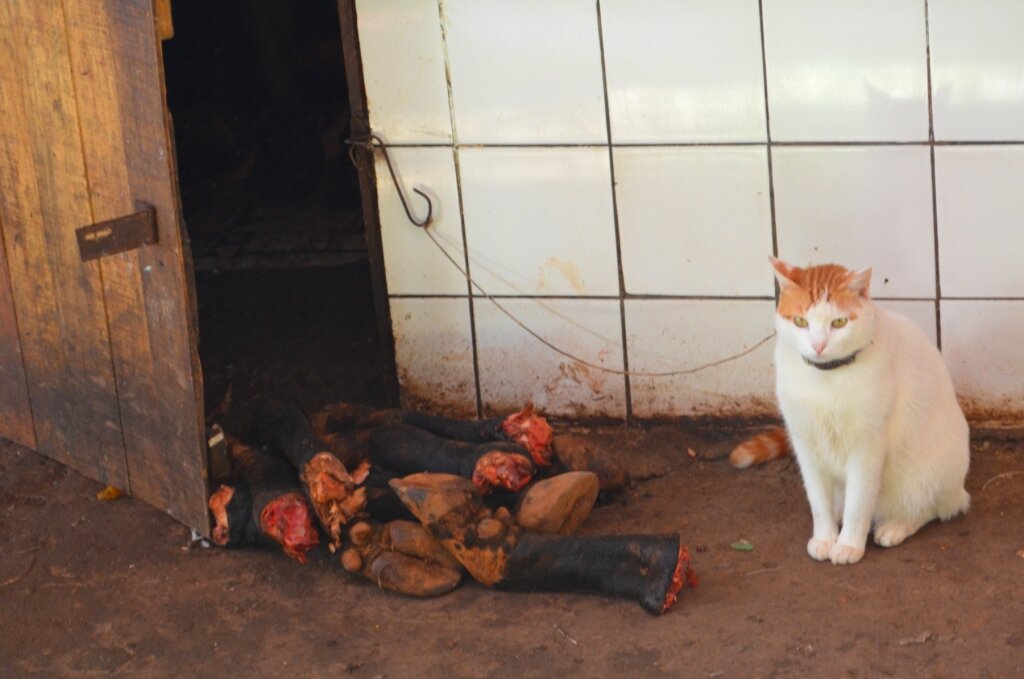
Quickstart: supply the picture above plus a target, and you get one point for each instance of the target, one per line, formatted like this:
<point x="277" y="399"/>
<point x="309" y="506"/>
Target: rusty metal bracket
<point x="118" y="235"/>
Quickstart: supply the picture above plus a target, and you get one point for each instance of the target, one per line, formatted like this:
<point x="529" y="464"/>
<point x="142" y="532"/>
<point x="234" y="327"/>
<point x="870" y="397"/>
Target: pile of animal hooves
<point x="412" y="501"/>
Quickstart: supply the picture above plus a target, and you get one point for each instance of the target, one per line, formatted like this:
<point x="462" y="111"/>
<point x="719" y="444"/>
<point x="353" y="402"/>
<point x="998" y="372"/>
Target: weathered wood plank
<point x="164" y="19"/>
<point x="366" y="165"/>
<point x="43" y="199"/>
<point x="118" y="75"/>
<point x="15" y="411"/>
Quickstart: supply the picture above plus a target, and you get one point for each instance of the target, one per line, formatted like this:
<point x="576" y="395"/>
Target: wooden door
<point x="98" y="360"/>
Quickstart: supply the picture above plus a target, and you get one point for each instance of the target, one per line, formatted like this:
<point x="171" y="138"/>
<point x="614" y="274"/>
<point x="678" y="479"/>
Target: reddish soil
<point x="89" y="588"/>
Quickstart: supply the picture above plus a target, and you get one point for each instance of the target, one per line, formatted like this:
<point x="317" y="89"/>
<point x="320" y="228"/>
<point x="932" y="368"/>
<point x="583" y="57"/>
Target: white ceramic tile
<point x="403" y="66"/>
<point x="434" y="354"/>
<point x="684" y="71"/>
<point x="694" y="221"/>
<point x="982" y="347"/>
<point x="539" y="220"/>
<point x="412" y="263"/>
<point x="859" y="206"/>
<point x="921" y="312"/>
<point x="526" y="71"/>
<point x="846" y="71"/>
<point x="667" y="335"/>
<point x="977" y="69"/>
<point x="516" y="368"/>
<point x="981" y="220"/>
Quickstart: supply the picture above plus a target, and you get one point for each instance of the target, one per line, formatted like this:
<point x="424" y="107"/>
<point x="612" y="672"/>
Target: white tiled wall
<point x="539" y="221"/>
<point x="660" y="88"/>
<point x="525" y="72"/>
<point x="434" y="352"/>
<point x="859" y="206"/>
<point x="617" y="171"/>
<point x="404" y="70"/>
<point x="515" y="368"/>
<point x="846" y="71"/>
<point x="977" y="69"/>
<point x="413" y="269"/>
<point x="694" y="220"/>
<point x="981" y="220"/>
<point x="666" y="335"/>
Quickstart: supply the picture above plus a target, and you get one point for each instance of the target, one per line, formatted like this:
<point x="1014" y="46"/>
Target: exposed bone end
<point x="339" y="513"/>
<point x="218" y="505"/>
<point x="352" y="561"/>
<point x="333" y="492"/>
<point x="327" y="478"/>
<point x="531" y="431"/>
<point x="353" y="505"/>
<point x="683" y="576"/>
<point x="361" y="472"/>
<point x="499" y="469"/>
<point x="286" y="520"/>
<point x="360" y="533"/>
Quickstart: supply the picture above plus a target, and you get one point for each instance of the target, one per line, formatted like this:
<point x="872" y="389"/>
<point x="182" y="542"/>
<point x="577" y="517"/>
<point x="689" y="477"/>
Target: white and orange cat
<point x="870" y="413"/>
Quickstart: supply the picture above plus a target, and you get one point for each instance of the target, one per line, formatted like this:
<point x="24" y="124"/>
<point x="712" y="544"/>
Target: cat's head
<point x="824" y="312"/>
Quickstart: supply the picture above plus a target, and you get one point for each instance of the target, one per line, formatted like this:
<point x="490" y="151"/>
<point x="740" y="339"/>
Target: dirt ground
<point x="90" y="588"/>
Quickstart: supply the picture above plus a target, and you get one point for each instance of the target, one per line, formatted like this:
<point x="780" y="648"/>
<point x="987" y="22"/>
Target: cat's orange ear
<point x="788" y="276"/>
<point x="859" y="282"/>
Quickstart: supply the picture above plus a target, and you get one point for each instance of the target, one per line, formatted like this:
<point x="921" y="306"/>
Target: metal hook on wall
<point x="375" y="142"/>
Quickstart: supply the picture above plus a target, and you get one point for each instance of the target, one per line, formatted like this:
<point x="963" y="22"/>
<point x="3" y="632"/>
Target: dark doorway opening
<point x="271" y="204"/>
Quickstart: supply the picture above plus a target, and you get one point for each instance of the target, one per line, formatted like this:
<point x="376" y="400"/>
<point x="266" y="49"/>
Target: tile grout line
<point x="821" y="143"/>
<point x="768" y="145"/>
<point x="931" y="153"/>
<point x="615" y="220"/>
<point x="690" y="298"/>
<point x="462" y="213"/>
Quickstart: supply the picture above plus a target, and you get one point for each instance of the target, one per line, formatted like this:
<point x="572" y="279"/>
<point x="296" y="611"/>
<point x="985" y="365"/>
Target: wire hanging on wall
<point x="375" y="142"/>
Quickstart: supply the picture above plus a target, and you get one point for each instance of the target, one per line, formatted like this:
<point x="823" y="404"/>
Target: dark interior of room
<point x="271" y="204"/>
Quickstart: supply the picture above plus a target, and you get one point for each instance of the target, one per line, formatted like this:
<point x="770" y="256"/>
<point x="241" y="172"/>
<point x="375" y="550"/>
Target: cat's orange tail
<point x="761" y="448"/>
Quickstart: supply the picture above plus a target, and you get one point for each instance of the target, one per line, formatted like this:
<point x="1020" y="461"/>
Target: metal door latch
<point x="118" y="235"/>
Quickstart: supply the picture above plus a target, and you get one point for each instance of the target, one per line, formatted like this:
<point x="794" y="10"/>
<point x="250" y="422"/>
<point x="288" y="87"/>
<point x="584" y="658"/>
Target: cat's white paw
<point x="892" y="533"/>
<point x="819" y="548"/>
<point x="841" y="554"/>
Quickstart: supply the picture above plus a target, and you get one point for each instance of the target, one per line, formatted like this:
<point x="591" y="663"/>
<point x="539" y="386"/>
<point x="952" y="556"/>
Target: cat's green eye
<point x="800" y="321"/>
<point x="839" y="322"/>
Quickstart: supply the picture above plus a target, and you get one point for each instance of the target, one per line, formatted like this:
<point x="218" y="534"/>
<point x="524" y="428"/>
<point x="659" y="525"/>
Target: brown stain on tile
<point x="569" y="270"/>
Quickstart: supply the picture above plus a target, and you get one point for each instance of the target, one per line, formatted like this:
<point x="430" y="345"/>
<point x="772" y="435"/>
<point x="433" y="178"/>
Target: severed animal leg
<point x="651" y="569"/>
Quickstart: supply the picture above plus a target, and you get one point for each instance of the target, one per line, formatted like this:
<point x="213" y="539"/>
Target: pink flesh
<point x="532" y="432"/>
<point x="218" y="505"/>
<point x="334" y="494"/>
<point x="682" y="576"/>
<point x="502" y="470"/>
<point x="286" y="520"/>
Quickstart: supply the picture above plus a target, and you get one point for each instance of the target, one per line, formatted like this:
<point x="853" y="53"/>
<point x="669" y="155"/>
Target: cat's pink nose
<point x="818" y="348"/>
